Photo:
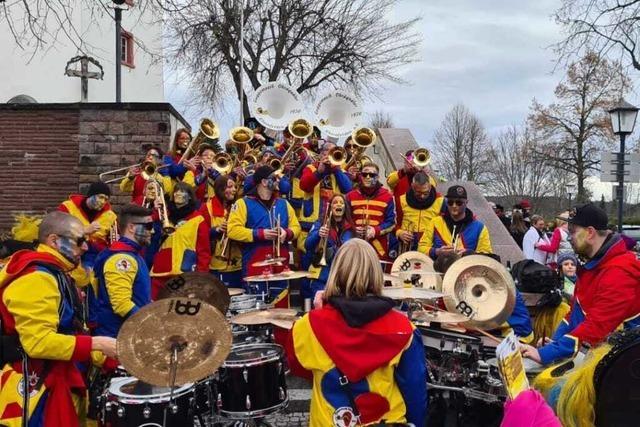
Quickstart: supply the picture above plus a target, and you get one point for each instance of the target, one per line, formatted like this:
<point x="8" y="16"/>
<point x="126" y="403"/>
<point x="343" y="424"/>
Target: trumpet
<point x="421" y="158"/>
<point x="114" y="234"/>
<point x="167" y="226"/>
<point x="241" y="135"/>
<point x="406" y="247"/>
<point x="325" y="240"/>
<point x="208" y="132"/>
<point x="363" y="137"/>
<point x="337" y="156"/>
<point x="224" y="243"/>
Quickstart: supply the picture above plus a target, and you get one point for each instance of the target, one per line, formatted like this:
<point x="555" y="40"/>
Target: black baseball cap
<point x="587" y="215"/>
<point x="456" y="192"/>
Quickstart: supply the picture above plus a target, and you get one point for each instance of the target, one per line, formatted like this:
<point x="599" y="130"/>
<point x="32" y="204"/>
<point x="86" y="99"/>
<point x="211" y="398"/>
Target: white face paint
<point x="180" y="198"/>
<point x="97" y="201"/>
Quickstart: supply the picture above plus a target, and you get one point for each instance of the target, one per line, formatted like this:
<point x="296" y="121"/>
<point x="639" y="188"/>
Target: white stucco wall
<point x="43" y="77"/>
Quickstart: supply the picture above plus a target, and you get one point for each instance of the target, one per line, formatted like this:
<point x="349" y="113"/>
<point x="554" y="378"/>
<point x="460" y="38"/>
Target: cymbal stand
<point x="173" y="370"/>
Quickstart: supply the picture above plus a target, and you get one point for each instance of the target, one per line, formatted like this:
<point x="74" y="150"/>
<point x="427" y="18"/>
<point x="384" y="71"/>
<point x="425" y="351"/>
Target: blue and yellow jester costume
<point x="375" y="347"/>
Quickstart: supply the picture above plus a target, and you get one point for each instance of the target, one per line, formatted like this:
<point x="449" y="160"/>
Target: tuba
<point x="275" y="105"/>
<point x="241" y="135"/>
<point x="363" y="137"/>
<point x="421" y="157"/>
<point x="338" y="114"/>
<point x="300" y="128"/>
<point x="208" y="132"/>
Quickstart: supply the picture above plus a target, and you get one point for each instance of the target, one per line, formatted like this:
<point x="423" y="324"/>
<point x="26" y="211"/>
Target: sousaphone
<point x="338" y="114"/>
<point x="275" y="105"/>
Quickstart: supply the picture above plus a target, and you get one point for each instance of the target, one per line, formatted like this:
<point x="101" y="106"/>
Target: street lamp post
<point x="118" y="20"/>
<point x="569" y="189"/>
<point x="623" y="120"/>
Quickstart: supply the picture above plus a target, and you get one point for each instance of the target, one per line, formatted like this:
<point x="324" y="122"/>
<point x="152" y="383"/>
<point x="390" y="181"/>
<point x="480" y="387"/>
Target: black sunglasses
<point x="369" y="174"/>
<point x="79" y="241"/>
<point x="147" y="225"/>
<point x="456" y="202"/>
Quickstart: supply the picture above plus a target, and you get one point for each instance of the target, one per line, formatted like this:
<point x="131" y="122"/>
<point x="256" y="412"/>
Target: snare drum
<point x="252" y="336"/>
<point x="242" y="303"/>
<point x="251" y="382"/>
<point x="130" y="402"/>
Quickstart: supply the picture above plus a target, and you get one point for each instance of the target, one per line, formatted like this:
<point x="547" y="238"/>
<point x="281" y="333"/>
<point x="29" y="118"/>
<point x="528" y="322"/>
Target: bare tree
<point x="380" y="120"/>
<point x="346" y="44"/>
<point x="576" y="127"/>
<point x="461" y="146"/>
<point x="609" y="27"/>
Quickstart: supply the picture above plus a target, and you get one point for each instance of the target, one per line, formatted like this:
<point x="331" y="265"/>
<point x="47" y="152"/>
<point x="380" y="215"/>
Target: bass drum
<point x="131" y="402"/>
<point x="251" y="382"/>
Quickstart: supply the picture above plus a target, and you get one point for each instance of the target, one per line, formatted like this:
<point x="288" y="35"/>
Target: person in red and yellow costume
<point x="373" y="210"/>
<point x="253" y="221"/>
<point x="137" y="178"/>
<point x="96" y="215"/>
<point x="40" y="307"/>
<point x="187" y="248"/>
<point x="226" y="261"/>
<point x="366" y="360"/>
<point x="420" y="205"/>
<point x="203" y="177"/>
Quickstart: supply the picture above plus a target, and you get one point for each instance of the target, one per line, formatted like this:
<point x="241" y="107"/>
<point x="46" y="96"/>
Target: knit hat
<point x="567" y="256"/>
<point x="261" y="173"/>
<point x="98" y="188"/>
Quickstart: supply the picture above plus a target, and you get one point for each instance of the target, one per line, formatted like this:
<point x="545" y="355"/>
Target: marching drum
<point x="251" y="382"/>
<point x="243" y="303"/>
<point x="130" y="402"/>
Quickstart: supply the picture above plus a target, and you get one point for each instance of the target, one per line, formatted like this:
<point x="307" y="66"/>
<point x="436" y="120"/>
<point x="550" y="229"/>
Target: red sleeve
<point x="82" y="350"/>
<point x="294" y="364"/>
<point x="308" y="180"/>
<point x="203" y="248"/>
<point x="554" y="244"/>
<point x="63" y="208"/>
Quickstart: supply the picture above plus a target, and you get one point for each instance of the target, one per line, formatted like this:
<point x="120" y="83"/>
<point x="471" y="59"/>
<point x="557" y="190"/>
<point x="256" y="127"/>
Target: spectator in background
<point x="518" y="227"/>
<point x="559" y="243"/>
<point x="535" y="235"/>
<point x="525" y="206"/>
<point x="499" y="211"/>
<point x="568" y="268"/>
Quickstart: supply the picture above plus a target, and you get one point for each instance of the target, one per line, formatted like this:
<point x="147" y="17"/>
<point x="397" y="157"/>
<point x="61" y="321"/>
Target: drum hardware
<point x="200" y="285"/>
<point x="282" y="317"/>
<point x="270" y="261"/>
<point x="272" y="277"/>
<point x="468" y="392"/>
<point x="409" y="293"/>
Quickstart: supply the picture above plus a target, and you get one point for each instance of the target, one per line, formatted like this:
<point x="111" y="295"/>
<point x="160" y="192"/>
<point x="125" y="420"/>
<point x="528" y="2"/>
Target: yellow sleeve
<point x="392" y="180"/>
<point x="126" y="185"/>
<point x="426" y="241"/>
<point x="189" y="178"/>
<point x="119" y="273"/>
<point x="484" y="242"/>
<point x="33" y="301"/>
<point x="405" y="220"/>
<point x="81" y="276"/>
<point x="294" y="224"/>
<point x="236" y="229"/>
<point x="167" y="184"/>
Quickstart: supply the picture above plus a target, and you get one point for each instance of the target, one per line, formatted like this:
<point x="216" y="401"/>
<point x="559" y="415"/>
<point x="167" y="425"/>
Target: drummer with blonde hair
<point x="366" y="360"/>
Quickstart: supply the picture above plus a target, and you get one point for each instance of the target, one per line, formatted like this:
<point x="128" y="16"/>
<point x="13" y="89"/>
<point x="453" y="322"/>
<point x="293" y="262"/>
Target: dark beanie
<point x="261" y="173"/>
<point x="98" y="188"/>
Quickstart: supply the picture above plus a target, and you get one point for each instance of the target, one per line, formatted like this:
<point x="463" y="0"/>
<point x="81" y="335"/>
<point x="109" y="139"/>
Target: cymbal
<point x="481" y="288"/>
<point x="414" y="262"/>
<point x="402" y="273"/>
<point x="402" y="293"/>
<point x="438" y="316"/>
<point x="283" y="317"/>
<point x="147" y="339"/>
<point x="285" y="275"/>
<point x="268" y="262"/>
<point x="200" y="285"/>
<point x="233" y="292"/>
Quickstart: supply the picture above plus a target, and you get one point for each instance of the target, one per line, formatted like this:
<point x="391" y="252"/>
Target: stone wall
<point x="52" y="150"/>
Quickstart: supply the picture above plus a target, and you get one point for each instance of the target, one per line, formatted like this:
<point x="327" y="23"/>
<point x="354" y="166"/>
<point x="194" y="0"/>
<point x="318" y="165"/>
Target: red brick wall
<point x="48" y="151"/>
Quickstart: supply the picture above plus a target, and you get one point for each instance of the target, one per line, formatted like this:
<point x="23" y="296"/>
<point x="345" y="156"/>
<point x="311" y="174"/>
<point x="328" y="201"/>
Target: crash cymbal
<point x="285" y="275"/>
<point x="283" y="317"/>
<point x="480" y="288"/>
<point x="438" y="316"/>
<point x="268" y="262"/>
<point x="233" y="292"/>
<point x="200" y="285"/>
<point x="199" y="331"/>
<point x="403" y="293"/>
<point x="415" y="262"/>
<point x="413" y="271"/>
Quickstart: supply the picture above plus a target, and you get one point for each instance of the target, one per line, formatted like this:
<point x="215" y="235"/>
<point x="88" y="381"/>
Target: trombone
<point x="209" y="131"/>
<point x="167" y="226"/>
<point x="149" y="169"/>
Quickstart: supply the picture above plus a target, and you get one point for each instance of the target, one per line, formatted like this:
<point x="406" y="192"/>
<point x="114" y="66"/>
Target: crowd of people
<point x="296" y="203"/>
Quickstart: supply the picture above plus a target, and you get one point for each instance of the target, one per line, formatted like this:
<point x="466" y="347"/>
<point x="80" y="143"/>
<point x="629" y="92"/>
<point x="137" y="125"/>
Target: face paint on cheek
<point x="578" y="241"/>
<point x="142" y="235"/>
<point x="66" y="248"/>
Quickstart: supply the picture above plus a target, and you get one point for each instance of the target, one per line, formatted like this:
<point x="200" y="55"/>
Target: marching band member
<point x="40" y="306"/>
<point x="135" y="181"/>
<point x="94" y="212"/>
<point x="319" y="181"/>
<point x="187" y="248"/>
<point x="373" y="210"/>
<point x="204" y="175"/>
<point x="400" y="181"/>
<point x="337" y="230"/>
<point x="366" y="360"/>
<point x="607" y="293"/>
<point x="253" y="221"/>
<point x="123" y="281"/>
<point x="226" y="260"/>
<point x="176" y="169"/>
<point x="419" y="205"/>
<point x="457" y="225"/>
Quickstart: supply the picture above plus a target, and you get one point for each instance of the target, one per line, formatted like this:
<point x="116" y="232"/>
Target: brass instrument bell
<point x="363" y="137"/>
<point x="421" y="157"/>
<point x="223" y="163"/>
<point x="337" y="156"/>
<point x="241" y="135"/>
<point x="300" y="128"/>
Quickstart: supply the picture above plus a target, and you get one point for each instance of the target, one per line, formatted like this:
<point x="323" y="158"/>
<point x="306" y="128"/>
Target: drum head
<point x="132" y="389"/>
<point x="253" y="354"/>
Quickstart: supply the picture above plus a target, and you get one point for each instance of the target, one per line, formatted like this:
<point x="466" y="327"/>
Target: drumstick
<point x="453" y="237"/>
<point x="485" y="333"/>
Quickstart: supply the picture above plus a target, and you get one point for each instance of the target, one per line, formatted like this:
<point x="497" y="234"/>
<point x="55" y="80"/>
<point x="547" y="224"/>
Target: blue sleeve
<point x="389" y="220"/>
<point x="520" y="321"/>
<point x="313" y="238"/>
<point x="563" y="345"/>
<point x="411" y="377"/>
<point x="343" y="181"/>
<point x="175" y="170"/>
<point x="248" y="184"/>
<point x="284" y="185"/>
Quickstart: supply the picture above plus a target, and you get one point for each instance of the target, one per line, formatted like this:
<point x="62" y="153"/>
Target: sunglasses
<point x="147" y="225"/>
<point x="455" y="202"/>
<point x="79" y="241"/>
<point x="369" y="174"/>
